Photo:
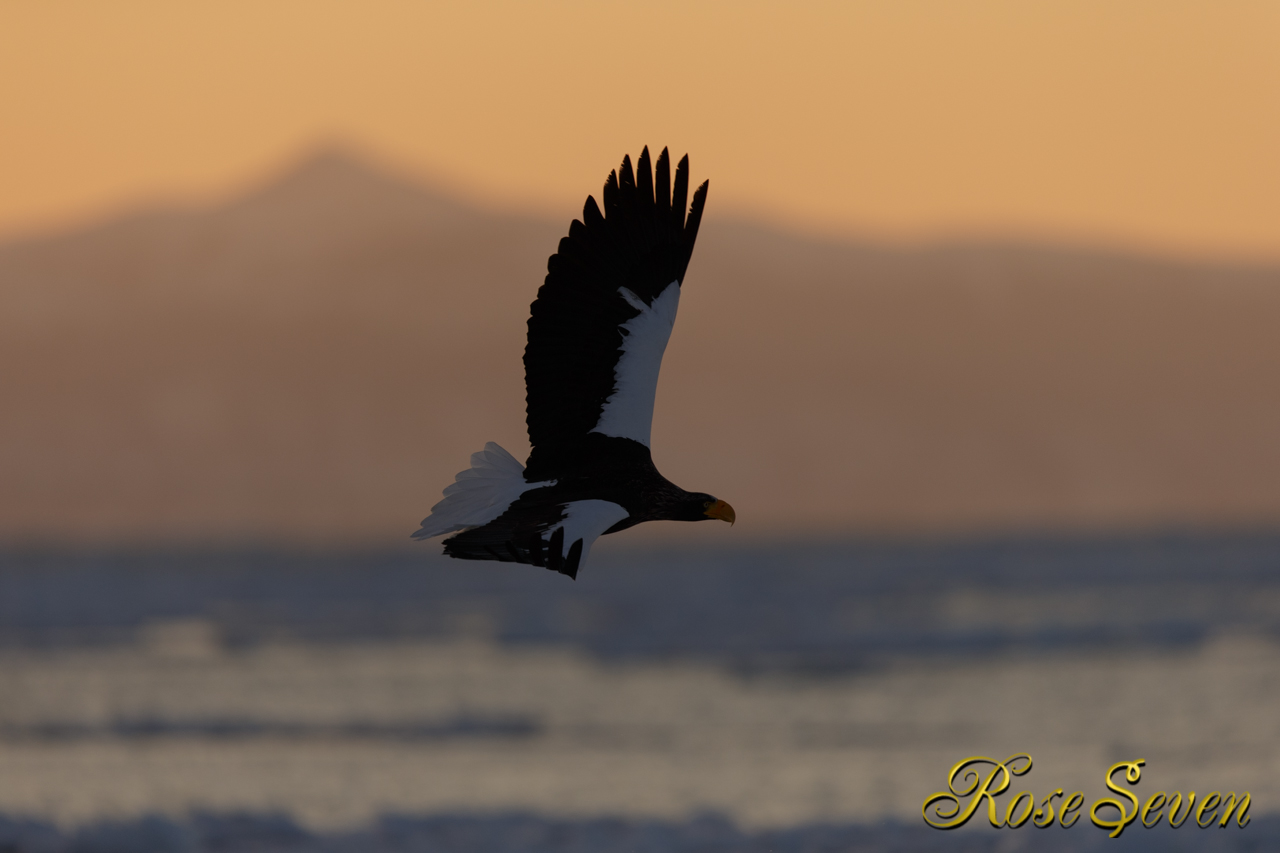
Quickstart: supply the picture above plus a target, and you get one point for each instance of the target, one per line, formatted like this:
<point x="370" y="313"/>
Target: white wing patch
<point x="586" y="520"/>
<point x="628" y="413"/>
<point x="479" y="494"/>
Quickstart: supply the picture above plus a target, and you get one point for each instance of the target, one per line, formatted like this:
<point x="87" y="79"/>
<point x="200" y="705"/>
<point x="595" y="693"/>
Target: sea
<point x="790" y="695"/>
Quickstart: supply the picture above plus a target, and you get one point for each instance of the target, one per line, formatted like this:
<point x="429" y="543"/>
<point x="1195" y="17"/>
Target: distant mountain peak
<point x="335" y="173"/>
<point x="334" y="159"/>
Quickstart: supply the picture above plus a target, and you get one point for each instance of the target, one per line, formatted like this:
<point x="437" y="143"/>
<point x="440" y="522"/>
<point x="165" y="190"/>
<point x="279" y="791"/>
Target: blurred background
<point x="979" y="339"/>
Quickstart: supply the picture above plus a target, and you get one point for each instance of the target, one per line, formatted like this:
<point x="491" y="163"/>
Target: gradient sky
<point x="1153" y="125"/>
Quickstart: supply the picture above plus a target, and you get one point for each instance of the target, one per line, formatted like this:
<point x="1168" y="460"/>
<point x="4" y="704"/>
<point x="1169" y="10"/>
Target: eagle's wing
<point x="601" y="322"/>
<point x="503" y="517"/>
<point x="540" y="530"/>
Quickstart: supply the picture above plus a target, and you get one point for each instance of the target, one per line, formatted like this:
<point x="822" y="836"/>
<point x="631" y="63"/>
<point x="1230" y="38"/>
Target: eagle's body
<point x="597" y="332"/>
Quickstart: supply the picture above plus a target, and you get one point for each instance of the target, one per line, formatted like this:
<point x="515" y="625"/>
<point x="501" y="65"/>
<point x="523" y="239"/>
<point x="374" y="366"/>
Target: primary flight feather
<point x="597" y="332"/>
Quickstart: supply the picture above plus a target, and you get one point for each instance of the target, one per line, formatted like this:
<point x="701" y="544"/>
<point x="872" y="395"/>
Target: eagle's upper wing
<point x="603" y="316"/>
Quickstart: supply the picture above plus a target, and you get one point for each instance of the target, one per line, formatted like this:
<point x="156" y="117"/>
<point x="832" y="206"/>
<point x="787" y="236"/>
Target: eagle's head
<point x="699" y="506"/>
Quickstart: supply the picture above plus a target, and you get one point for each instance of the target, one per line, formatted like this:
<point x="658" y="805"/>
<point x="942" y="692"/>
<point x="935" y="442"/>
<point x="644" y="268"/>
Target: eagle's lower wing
<point x="537" y="529"/>
<point x="601" y="322"/>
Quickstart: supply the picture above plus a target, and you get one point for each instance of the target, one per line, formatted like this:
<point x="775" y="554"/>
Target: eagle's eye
<point x="708" y="504"/>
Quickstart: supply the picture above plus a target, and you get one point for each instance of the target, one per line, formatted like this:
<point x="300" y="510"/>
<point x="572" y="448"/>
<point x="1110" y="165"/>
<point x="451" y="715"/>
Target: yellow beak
<point x="722" y="511"/>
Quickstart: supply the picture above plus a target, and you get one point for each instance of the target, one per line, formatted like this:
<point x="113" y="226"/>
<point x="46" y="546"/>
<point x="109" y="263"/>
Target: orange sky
<point x="1146" y="124"/>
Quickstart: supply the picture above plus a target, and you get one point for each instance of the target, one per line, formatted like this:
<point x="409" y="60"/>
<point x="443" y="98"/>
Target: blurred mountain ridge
<point x="314" y="360"/>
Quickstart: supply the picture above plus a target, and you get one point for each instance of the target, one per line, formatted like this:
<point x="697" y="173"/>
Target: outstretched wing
<point x="541" y="530"/>
<point x="601" y="322"/>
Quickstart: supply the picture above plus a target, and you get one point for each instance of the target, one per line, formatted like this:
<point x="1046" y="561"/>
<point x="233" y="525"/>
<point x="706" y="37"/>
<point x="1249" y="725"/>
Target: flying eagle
<point x="597" y="332"/>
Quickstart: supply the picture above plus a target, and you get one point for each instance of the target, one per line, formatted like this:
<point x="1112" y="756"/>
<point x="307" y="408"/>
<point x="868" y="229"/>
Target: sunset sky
<point x="1146" y="125"/>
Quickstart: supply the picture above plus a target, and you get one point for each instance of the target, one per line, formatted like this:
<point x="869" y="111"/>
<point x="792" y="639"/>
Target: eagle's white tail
<point x="479" y="494"/>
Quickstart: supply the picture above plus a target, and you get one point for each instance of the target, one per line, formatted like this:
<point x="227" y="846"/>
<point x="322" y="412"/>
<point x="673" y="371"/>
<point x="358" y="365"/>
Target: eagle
<point x="597" y="332"/>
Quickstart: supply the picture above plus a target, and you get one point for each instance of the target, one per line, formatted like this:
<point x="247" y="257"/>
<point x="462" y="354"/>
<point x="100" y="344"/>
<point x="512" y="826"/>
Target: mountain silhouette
<point x="314" y="360"/>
